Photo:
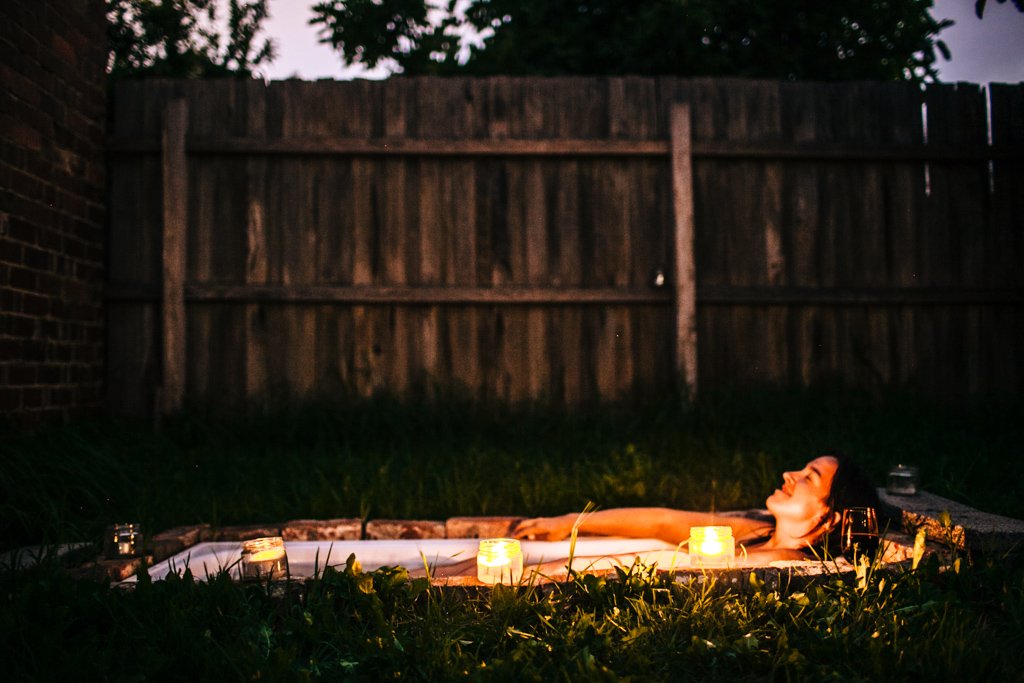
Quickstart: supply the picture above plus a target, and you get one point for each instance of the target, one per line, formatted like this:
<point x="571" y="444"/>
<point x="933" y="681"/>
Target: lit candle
<point x="125" y="540"/>
<point x="499" y="560"/>
<point x="264" y="558"/>
<point x="712" y="546"/>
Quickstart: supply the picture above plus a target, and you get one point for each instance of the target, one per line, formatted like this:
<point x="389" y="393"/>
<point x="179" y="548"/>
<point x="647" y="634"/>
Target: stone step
<point x="967" y="528"/>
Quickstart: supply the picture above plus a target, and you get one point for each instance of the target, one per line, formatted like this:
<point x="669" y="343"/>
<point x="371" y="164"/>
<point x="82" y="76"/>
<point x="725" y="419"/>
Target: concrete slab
<point x="968" y="528"/>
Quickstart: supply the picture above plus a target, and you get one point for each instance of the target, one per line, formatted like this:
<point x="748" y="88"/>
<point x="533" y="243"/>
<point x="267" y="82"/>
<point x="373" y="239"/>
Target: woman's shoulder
<point x="750" y="525"/>
<point x="755" y="514"/>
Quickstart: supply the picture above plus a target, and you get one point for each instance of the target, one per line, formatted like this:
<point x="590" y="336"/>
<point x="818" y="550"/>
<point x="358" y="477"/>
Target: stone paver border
<point x="970" y="530"/>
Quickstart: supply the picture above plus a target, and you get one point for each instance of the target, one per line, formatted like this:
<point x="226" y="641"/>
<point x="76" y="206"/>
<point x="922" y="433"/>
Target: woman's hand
<point x="546" y="528"/>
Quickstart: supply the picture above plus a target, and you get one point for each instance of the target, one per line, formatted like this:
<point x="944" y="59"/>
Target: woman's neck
<point x="789" y="534"/>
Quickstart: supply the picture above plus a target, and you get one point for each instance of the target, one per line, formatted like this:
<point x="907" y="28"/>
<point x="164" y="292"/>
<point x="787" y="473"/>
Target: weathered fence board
<point x="499" y="237"/>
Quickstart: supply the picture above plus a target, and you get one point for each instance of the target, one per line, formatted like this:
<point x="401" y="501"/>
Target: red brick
<point x="9" y="51"/>
<point x="52" y="119"/>
<point x="20" y="325"/>
<point x="50" y="284"/>
<point x="22" y="373"/>
<point x="11" y="349"/>
<point x="32" y="349"/>
<point x="94" y="175"/>
<point x="49" y="329"/>
<point x="17" y="109"/>
<point x="50" y="374"/>
<point x="60" y="397"/>
<point x="32" y="397"/>
<point x="35" y="305"/>
<point x="40" y="76"/>
<point x="87" y="272"/>
<point x="25" y="184"/>
<point x="10" y="251"/>
<point x="37" y="259"/>
<point x="10" y="399"/>
<point x="22" y="278"/>
<point x="74" y="248"/>
<point x="21" y="134"/>
<point x="18" y="85"/>
<point x="26" y="216"/>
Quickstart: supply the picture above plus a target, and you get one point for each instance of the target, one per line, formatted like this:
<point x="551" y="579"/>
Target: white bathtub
<point x="591" y="554"/>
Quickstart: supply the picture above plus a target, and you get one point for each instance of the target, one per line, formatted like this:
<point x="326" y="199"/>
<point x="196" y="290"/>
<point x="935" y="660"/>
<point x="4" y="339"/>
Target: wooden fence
<point x="566" y="239"/>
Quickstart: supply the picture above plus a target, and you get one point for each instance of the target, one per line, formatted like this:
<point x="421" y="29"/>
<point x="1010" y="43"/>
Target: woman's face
<point x="804" y="493"/>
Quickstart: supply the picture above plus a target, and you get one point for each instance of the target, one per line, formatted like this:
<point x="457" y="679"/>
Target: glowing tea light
<point x="499" y="560"/>
<point x="264" y="558"/>
<point x="712" y="546"/>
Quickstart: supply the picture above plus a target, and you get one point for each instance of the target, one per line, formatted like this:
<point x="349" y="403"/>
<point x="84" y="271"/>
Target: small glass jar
<point x="712" y="546"/>
<point x="499" y="560"/>
<point x="902" y="480"/>
<point x="123" y="539"/>
<point x="264" y="558"/>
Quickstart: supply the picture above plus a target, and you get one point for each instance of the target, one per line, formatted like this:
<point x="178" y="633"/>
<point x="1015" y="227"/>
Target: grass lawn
<point x="383" y="459"/>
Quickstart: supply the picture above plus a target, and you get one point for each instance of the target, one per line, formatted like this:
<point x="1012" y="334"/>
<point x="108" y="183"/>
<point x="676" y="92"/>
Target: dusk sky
<point x="984" y="51"/>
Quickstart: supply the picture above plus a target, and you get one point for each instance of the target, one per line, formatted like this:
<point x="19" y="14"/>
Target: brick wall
<point x="52" y="204"/>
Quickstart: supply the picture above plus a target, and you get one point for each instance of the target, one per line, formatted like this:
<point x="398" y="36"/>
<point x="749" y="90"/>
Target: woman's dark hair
<point x="851" y="488"/>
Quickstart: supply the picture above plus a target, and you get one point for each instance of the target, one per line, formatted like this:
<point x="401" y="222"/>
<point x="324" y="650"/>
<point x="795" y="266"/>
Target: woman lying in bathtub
<point x="805" y="514"/>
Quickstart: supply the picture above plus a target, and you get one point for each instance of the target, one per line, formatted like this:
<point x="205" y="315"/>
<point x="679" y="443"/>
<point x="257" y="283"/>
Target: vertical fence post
<point x="175" y="212"/>
<point x="685" y="279"/>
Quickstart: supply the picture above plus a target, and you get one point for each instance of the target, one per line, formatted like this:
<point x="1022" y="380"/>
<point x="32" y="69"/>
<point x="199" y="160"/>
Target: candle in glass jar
<point x="902" y="480"/>
<point x="712" y="546"/>
<point x="124" y="540"/>
<point x="264" y="558"/>
<point x="499" y="560"/>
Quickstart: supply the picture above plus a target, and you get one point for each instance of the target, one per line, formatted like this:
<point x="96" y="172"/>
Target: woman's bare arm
<point x="666" y="524"/>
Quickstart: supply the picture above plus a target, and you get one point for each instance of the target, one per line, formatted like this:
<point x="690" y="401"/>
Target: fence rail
<point x="502" y="237"/>
<point x="328" y="146"/>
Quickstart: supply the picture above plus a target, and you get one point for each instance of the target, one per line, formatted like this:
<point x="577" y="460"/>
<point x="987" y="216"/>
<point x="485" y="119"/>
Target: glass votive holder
<point x="902" y="480"/>
<point x="123" y="539"/>
<point x="712" y="546"/>
<point x="499" y="560"/>
<point x="264" y="558"/>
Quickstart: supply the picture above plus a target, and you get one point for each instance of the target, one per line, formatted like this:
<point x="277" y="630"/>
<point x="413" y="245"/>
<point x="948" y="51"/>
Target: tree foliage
<point x="788" y="39"/>
<point x="179" y="39"/>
